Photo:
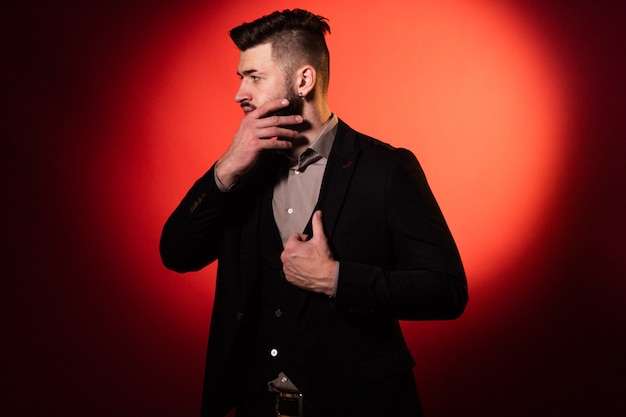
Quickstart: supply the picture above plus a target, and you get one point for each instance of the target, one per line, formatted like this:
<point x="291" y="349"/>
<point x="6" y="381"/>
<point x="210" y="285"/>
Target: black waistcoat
<point x="289" y="316"/>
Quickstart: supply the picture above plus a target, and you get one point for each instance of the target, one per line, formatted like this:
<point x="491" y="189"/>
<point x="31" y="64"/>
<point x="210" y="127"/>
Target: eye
<point x="255" y="78"/>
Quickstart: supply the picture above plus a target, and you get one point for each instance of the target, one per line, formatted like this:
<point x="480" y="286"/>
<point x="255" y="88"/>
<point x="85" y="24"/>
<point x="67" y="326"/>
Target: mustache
<point x="247" y="106"/>
<point x="295" y="107"/>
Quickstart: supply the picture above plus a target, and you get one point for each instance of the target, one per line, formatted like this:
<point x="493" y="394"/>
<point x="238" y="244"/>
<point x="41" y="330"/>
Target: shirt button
<point x="290" y="211"/>
<point x="274" y="353"/>
<point x="278" y="313"/>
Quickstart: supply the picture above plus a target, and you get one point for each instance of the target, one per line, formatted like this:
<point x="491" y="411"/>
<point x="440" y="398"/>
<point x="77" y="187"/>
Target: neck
<point x="315" y="115"/>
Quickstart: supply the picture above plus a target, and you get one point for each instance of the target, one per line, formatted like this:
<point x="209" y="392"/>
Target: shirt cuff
<point x="219" y="184"/>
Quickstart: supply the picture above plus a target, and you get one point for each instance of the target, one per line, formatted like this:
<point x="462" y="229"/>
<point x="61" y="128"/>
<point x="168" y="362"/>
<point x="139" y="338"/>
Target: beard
<point x="295" y="106"/>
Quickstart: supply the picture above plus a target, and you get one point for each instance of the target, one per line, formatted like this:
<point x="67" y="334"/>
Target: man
<point x="324" y="237"/>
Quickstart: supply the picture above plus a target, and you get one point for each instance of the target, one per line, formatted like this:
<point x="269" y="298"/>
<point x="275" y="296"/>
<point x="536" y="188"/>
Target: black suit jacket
<point x="398" y="261"/>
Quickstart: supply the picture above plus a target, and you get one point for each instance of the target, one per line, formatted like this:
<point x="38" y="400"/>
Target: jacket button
<point x="278" y="313"/>
<point x="239" y="316"/>
<point x="274" y="353"/>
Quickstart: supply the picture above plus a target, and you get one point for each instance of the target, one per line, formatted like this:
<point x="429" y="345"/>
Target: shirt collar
<point x="324" y="141"/>
<point x="319" y="148"/>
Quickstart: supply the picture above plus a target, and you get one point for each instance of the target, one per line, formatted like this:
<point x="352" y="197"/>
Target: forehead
<point x="257" y="58"/>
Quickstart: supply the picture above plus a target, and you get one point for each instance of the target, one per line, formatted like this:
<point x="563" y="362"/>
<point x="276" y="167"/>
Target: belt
<point x="289" y="404"/>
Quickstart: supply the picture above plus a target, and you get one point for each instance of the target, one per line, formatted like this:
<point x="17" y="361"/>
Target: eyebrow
<point x="247" y="72"/>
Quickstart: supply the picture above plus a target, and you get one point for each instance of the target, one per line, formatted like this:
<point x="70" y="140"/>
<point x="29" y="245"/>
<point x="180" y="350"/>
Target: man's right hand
<point x="256" y="133"/>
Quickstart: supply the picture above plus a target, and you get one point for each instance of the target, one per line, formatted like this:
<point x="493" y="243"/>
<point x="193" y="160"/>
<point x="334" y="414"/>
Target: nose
<point x="242" y="93"/>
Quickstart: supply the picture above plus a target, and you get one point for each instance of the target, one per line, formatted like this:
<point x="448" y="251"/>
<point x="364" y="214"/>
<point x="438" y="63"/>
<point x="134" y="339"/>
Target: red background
<point x="111" y="109"/>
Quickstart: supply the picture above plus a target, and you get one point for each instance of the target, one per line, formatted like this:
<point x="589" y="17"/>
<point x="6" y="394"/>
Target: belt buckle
<point x="289" y="404"/>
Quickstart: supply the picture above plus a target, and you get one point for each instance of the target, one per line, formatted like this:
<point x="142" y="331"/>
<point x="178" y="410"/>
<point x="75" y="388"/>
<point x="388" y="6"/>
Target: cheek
<point x="267" y="91"/>
<point x="262" y="95"/>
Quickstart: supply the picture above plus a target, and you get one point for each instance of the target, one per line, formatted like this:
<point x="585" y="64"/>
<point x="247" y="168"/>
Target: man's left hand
<point x="309" y="264"/>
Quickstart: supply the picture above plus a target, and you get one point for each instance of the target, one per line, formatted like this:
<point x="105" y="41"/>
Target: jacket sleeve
<point x="191" y="235"/>
<point x="424" y="278"/>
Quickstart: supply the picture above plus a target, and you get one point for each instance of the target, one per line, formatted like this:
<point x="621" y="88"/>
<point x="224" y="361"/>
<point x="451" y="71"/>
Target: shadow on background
<point x="94" y="325"/>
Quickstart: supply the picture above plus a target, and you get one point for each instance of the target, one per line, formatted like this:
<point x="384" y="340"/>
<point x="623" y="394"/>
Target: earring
<point x="301" y="95"/>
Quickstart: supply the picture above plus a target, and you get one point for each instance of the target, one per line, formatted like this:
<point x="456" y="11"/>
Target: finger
<point x="272" y="121"/>
<point x="275" y="144"/>
<point x="295" y="237"/>
<point x="275" y="131"/>
<point x="269" y="107"/>
<point x="318" y="226"/>
<point x="298" y="237"/>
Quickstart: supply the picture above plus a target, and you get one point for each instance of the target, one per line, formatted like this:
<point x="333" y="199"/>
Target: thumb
<point x="317" y="225"/>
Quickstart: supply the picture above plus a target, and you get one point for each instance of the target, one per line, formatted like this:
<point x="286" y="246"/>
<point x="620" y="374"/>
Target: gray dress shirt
<point x="297" y="191"/>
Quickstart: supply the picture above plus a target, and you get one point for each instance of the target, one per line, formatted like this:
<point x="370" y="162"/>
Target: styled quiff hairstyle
<point x="297" y="38"/>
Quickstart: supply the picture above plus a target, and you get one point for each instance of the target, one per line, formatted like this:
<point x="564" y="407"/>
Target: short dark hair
<point x="297" y="38"/>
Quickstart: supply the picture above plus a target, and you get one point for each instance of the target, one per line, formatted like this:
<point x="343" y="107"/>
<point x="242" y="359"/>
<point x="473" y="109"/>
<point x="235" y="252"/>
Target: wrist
<point x="333" y="277"/>
<point x="225" y="175"/>
<point x="335" y="282"/>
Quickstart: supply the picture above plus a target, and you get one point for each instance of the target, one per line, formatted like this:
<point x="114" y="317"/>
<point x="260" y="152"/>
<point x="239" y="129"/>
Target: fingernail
<point x="299" y="119"/>
<point x="284" y="102"/>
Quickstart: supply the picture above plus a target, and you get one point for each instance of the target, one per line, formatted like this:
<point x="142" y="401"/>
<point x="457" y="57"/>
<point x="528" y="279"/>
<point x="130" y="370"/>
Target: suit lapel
<point x="339" y="169"/>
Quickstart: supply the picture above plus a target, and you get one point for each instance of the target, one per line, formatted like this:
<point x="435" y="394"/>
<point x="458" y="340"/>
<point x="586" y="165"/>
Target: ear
<point x="306" y="79"/>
